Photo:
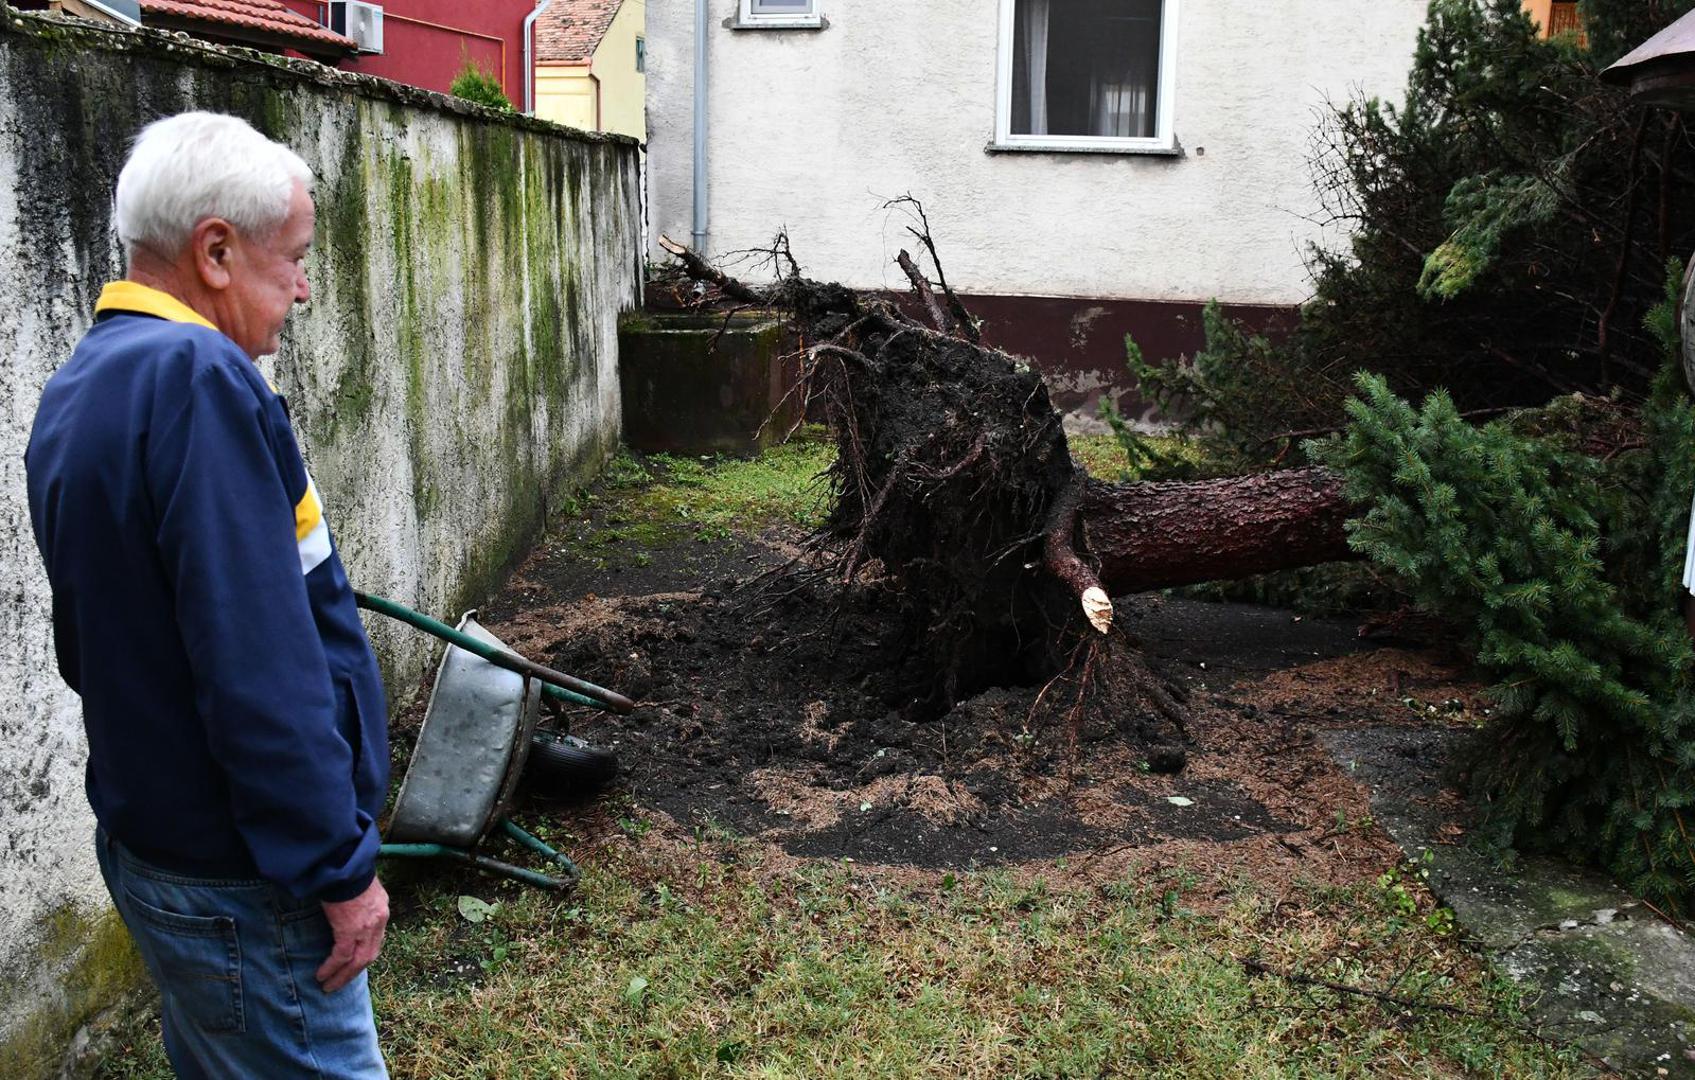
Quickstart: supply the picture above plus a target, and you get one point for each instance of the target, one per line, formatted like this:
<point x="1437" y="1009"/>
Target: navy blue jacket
<point x="236" y="720"/>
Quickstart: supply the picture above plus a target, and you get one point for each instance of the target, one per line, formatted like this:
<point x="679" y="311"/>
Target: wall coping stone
<point x="172" y="44"/>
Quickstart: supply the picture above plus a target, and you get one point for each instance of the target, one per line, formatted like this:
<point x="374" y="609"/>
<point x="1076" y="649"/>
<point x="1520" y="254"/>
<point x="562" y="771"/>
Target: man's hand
<point x="358" y="925"/>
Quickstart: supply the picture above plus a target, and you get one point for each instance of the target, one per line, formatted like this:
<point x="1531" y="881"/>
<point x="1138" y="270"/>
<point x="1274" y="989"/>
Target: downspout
<point x="700" y="222"/>
<point x="530" y="56"/>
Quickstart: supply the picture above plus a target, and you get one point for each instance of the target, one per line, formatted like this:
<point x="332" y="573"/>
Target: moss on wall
<point x="98" y="965"/>
<point x="344" y="203"/>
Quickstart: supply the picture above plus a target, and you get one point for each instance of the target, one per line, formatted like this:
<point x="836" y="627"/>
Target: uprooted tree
<point x="953" y="474"/>
<point x="1510" y="230"/>
<point x="1539" y="536"/>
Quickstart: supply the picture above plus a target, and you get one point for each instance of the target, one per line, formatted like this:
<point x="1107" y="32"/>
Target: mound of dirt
<point x="781" y="706"/>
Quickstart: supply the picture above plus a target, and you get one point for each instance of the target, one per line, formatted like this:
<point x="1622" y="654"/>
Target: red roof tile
<point x="269" y="16"/>
<point x="569" y="31"/>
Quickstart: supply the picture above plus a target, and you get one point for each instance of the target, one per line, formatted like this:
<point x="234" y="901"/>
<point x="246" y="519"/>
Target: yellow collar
<point x="132" y="296"/>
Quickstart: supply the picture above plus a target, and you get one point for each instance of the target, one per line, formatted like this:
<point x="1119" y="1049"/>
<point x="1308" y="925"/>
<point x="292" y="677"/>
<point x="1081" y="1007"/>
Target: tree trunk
<point x="1154" y="535"/>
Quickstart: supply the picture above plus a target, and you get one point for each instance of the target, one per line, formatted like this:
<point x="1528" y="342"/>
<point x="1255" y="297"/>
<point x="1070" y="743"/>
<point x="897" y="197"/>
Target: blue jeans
<point x="234" y="964"/>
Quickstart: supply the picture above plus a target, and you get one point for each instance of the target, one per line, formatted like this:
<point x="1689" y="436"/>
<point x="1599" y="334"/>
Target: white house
<point x="1089" y="167"/>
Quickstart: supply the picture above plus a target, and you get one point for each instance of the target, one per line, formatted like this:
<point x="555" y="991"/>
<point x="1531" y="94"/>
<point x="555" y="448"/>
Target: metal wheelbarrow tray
<point x="471" y="750"/>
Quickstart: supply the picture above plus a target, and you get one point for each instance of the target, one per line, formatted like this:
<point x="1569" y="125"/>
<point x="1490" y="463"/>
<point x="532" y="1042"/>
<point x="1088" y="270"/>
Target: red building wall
<point x="426" y="42"/>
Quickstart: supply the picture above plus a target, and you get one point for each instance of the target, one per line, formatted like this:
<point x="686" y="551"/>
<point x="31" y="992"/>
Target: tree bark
<point x="1153" y="535"/>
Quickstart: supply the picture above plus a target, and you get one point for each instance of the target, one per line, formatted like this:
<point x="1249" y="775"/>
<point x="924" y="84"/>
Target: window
<point x="641" y="55"/>
<point x="780" y="13"/>
<point x="1086" y="75"/>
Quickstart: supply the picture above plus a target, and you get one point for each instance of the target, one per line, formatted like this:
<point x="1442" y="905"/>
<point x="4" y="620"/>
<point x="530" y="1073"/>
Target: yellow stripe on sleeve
<point x="308" y="512"/>
<point x="311" y="531"/>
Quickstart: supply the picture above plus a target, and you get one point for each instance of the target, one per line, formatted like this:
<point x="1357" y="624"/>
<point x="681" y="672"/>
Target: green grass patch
<point x="655" y="500"/>
<point x="693" y="960"/>
<point x="1100" y="456"/>
<point x="1103" y="457"/>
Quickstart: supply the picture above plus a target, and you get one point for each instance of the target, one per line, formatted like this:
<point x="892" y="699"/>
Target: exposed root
<point x="954" y="474"/>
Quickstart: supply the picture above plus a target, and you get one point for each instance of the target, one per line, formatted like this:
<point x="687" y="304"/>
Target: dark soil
<point x="777" y="705"/>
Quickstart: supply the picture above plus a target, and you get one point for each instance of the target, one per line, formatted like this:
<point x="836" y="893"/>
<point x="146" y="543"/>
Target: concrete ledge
<point x="1175" y="150"/>
<point x="1600" y="968"/>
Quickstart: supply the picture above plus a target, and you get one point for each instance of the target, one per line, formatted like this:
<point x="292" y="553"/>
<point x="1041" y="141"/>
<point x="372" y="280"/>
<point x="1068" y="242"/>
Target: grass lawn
<point x="689" y="951"/>
<point x="684" y="956"/>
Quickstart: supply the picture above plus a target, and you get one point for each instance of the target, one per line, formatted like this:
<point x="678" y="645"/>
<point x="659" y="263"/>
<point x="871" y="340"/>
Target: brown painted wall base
<point x="1078" y="342"/>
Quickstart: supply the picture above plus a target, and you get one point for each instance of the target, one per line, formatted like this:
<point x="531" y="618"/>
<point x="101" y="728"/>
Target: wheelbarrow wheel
<point x="566" y="765"/>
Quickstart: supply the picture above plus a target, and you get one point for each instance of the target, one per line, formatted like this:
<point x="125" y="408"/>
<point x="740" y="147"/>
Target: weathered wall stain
<point x="453" y="377"/>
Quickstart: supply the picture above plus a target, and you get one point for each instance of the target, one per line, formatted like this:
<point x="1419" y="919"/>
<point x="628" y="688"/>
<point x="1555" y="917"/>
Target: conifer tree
<point x="1510" y="226"/>
<point x="1564" y="570"/>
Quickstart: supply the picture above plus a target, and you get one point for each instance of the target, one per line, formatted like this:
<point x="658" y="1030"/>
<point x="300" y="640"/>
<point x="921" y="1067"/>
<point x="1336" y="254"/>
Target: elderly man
<point x="237" y="736"/>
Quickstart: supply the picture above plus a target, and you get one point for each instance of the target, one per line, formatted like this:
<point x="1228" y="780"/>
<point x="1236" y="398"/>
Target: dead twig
<point x="701" y="270"/>
<point x="967" y="326"/>
<point x="921" y="286"/>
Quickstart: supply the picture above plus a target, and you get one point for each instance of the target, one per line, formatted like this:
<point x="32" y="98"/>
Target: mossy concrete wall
<point x="454" y="375"/>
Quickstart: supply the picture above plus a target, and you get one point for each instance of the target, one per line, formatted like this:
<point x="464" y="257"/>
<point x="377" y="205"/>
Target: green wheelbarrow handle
<point x="568" y="880"/>
<point x="555" y="683"/>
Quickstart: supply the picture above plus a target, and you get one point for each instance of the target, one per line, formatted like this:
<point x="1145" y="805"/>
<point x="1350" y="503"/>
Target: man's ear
<point x="210" y="245"/>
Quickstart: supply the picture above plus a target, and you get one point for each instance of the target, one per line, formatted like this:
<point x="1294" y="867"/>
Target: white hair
<point x="186" y="168"/>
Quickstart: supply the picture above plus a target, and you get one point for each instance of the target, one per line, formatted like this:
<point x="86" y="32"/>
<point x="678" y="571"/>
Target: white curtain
<point x="1035" y="16"/>
<point x="1122" y="99"/>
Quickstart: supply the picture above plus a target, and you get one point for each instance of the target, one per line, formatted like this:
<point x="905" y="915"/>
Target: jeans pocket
<point x="199" y="962"/>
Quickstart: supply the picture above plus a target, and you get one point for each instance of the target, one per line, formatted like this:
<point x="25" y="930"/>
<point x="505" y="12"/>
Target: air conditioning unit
<point x="361" y="21"/>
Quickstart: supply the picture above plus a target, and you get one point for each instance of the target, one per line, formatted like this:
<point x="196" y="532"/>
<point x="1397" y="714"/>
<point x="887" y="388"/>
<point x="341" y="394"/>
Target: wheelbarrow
<point x="478" y="733"/>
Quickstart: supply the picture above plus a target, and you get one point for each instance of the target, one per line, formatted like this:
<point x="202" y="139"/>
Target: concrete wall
<point x="606" y="94"/>
<point x="454" y="375"/>
<point x="813" y="130"/>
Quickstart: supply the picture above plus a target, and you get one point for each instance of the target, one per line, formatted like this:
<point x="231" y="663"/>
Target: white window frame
<point x="751" y="19"/>
<point x="1164" y="140"/>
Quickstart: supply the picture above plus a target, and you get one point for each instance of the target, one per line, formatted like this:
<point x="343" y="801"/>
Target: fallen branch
<point x="701" y="270"/>
<point x="1255" y="967"/>
<point x="921" y="285"/>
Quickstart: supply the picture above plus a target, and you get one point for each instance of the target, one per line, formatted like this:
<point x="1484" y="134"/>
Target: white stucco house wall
<point x="1131" y="158"/>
